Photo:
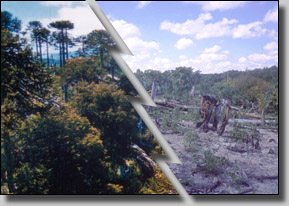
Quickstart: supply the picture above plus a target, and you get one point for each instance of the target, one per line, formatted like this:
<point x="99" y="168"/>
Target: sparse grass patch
<point x="211" y="163"/>
<point x="190" y="139"/>
<point x="242" y="133"/>
<point x="193" y="115"/>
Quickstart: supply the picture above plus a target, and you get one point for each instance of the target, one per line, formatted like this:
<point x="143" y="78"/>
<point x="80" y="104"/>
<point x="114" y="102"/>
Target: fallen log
<point x="252" y="115"/>
<point x="172" y="105"/>
<point x="251" y="121"/>
<point x="235" y="108"/>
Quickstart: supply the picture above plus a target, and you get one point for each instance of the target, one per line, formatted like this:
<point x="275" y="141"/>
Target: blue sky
<point x="209" y="36"/>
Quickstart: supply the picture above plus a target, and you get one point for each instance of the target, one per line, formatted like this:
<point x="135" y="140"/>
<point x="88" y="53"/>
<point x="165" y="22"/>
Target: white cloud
<point x="242" y="59"/>
<point x="142" y="4"/>
<point x="262" y="58"/>
<point x="82" y="17"/>
<point x="183" y="57"/>
<point x="125" y="29"/>
<point x="257" y="60"/>
<point x="272" y="15"/>
<point x="147" y="53"/>
<point x="224" y="64"/>
<point x="213" y="49"/>
<point x="212" y="57"/>
<point x="184" y="43"/>
<point x="218" y="5"/>
<point x="206" y="62"/>
<point x="141" y="49"/>
<point x="199" y="29"/>
<point x="211" y="60"/>
<point x="190" y="27"/>
<point x="271" y="46"/>
<point x="273" y="34"/>
<point x="63" y="3"/>
<point x="250" y="30"/>
<point x="56" y="3"/>
<point x="138" y="45"/>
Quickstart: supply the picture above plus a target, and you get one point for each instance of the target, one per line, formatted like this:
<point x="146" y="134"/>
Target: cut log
<point x="235" y="108"/>
<point x="173" y="104"/>
<point x="254" y="116"/>
<point x="251" y="121"/>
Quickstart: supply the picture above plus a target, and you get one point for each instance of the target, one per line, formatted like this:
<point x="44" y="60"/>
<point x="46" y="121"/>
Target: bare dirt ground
<point x="229" y="167"/>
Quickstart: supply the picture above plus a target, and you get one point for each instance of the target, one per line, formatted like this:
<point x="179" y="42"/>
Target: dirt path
<point x="229" y="167"/>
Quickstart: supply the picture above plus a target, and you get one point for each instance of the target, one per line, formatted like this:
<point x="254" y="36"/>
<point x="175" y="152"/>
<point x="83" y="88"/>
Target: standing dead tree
<point x="153" y="93"/>
<point x="210" y="104"/>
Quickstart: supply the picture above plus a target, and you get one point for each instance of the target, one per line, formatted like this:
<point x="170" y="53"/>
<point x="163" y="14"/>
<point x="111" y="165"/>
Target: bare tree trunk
<point x="60" y="55"/>
<point x="47" y="54"/>
<point x="225" y="120"/>
<point x="40" y="50"/>
<point x="63" y="47"/>
<point x="192" y="91"/>
<point x="36" y="45"/>
<point x="154" y="90"/>
<point x="66" y="38"/>
<point x="63" y="58"/>
<point x="263" y="118"/>
<point x="153" y="93"/>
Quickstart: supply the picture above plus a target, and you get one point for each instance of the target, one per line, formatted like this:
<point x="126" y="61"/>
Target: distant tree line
<point x="257" y="87"/>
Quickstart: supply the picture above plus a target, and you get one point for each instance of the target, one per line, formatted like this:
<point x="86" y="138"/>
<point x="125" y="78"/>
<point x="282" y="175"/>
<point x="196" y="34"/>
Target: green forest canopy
<point x="69" y="129"/>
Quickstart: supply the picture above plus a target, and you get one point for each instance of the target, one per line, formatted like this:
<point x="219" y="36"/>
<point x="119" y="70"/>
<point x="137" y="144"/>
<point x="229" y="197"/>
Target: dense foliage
<point x="70" y="129"/>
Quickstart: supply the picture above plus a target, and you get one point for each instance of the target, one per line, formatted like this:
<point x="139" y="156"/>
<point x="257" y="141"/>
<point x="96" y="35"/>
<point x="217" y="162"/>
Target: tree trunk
<point x="66" y="38"/>
<point x="9" y="161"/>
<point x="192" y="91"/>
<point x="63" y="47"/>
<point x="153" y="94"/>
<point x="60" y="55"/>
<point x="47" y="53"/>
<point x="154" y="90"/>
<point x="36" y="45"/>
<point x="40" y="50"/>
<point x="225" y="121"/>
<point x="66" y="92"/>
